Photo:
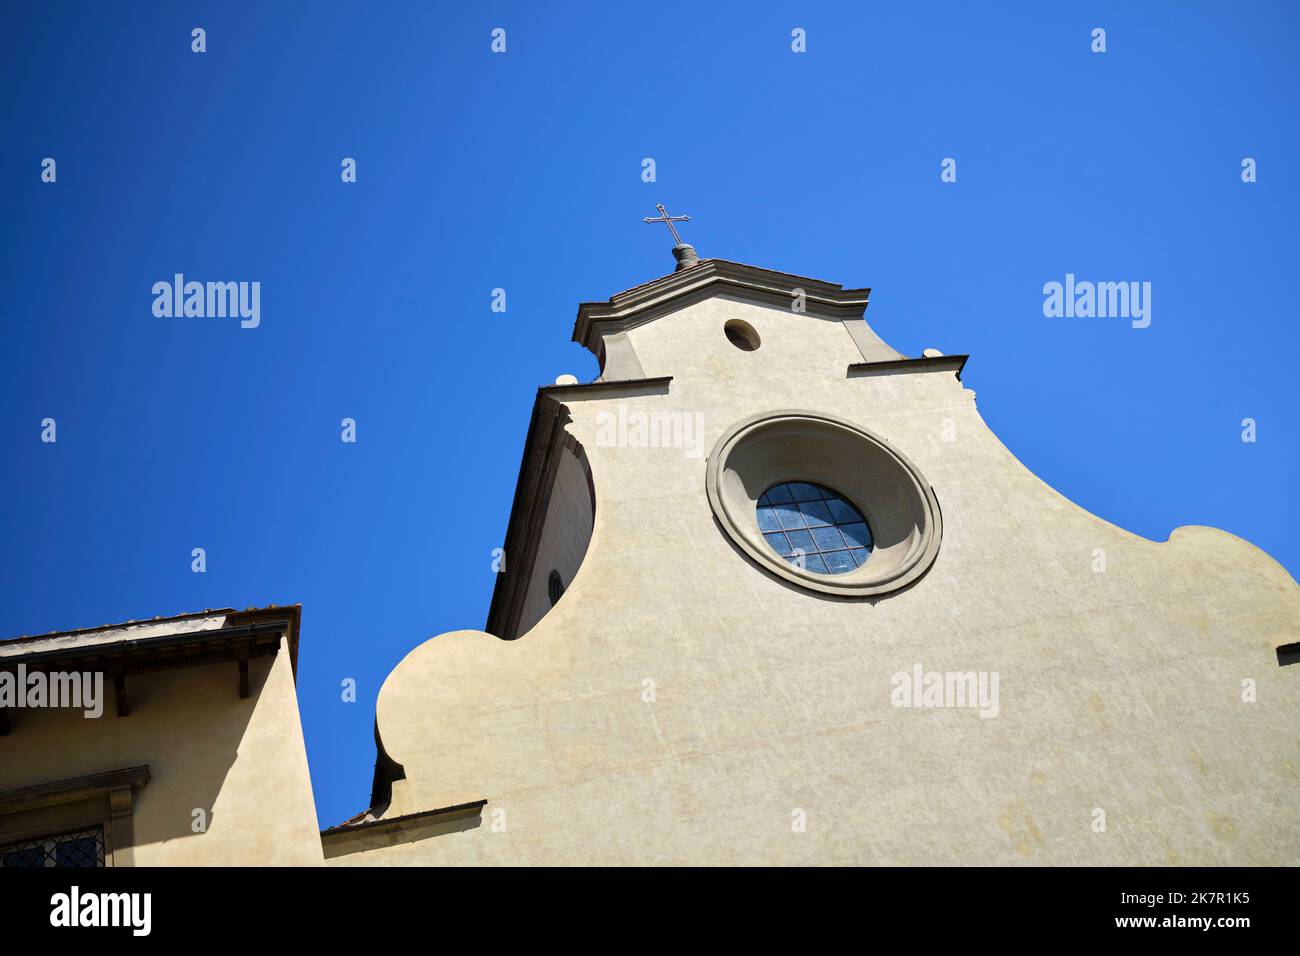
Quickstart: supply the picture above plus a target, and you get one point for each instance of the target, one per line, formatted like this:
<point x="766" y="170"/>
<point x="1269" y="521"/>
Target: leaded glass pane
<point x="857" y="534"/>
<point x="778" y="542"/>
<point x="84" y="848"/>
<point x="816" y="513"/>
<point x="823" y="530"/>
<point x="790" y="517"/>
<point x="828" y="539"/>
<point x="767" y="520"/>
<point x="839" y="561"/>
<point x="814" y="562"/>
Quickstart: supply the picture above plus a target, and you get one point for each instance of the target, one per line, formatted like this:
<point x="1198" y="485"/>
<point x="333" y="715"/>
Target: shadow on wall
<point x="186" y="725"/>
<point x="550" y="531"/>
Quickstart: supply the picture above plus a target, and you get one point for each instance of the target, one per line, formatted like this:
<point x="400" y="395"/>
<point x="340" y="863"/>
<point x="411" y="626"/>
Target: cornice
<point x="598" y="387"/>
<point x="712" y="276"/>
<point x="928" y="363"/>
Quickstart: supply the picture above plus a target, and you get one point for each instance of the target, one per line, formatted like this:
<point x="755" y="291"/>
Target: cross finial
<point x="668" y="221"/>
<point x="684" y="252"/>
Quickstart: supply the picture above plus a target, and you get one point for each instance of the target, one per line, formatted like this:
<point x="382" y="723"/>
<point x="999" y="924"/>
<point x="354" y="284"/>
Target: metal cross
<point x="668" y="221"/>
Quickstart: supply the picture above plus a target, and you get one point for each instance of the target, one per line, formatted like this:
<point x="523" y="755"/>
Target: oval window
<point x="741" y="335"/>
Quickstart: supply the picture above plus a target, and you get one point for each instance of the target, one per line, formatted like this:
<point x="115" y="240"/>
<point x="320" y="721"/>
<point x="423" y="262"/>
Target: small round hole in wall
<point x="554" y="587"/>
<point x="741" y="335"/>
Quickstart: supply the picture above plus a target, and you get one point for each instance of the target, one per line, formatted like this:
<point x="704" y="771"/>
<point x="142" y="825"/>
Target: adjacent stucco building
<point x="193" y="755"/>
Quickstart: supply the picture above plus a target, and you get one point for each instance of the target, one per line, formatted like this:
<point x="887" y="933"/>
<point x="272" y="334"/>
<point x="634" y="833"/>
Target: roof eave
<point x="737" y="277"/>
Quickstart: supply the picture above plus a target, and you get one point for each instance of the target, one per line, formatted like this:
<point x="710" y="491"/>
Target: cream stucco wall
<point x="1120" y="691"/>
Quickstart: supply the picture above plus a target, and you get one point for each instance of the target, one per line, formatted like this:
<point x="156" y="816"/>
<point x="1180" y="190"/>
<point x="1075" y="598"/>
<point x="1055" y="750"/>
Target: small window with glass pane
<point x="84" y="848"/>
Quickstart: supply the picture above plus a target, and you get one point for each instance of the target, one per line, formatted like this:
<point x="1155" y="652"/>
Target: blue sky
<point x="522" y="171"/>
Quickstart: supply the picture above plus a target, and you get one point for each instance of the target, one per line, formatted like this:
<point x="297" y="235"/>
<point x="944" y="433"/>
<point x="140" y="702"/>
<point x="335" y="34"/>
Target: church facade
<point x="697" y="655"/>
<point x="775" y="594"/>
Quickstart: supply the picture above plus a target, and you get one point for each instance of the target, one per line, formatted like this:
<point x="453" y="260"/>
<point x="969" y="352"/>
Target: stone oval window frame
<point x="791" y="445"/>
<point x="742" y="335"/>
